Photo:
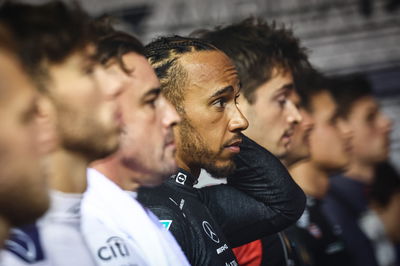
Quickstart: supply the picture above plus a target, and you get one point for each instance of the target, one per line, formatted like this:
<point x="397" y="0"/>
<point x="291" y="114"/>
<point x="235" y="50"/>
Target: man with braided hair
<point x="260" y="197"/>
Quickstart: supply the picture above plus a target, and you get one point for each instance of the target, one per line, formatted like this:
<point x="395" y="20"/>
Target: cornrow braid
<point x="163" y="54"/>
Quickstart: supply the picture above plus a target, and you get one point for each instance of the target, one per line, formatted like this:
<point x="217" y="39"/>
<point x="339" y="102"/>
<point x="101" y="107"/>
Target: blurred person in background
<point x="267" y="58"/>
<point x="119" y="230"/>
<point x="381" y="222"/>
<point x="260" y="197"/>
<point x="347" y="197"/>
<point x="329" y="144"/>
<point x="23" y="183"/>
<point x="56" y="46"/>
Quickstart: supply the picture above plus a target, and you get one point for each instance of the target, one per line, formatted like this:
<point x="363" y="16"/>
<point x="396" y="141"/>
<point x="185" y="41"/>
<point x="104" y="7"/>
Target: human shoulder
<point x="23" y="247"/>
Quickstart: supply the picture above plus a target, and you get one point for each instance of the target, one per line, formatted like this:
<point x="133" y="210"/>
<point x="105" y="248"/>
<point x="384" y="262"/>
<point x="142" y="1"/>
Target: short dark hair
<point x="310" y="83"/>
<point x="48" y="32"/>
<point x="163" y="54"/>
<point x="114" y="44"/>
<point x="6" y="41"/>
<point x="385" y="184"/>
<point x="347" y="89"/>
<point x="256" y="48"/>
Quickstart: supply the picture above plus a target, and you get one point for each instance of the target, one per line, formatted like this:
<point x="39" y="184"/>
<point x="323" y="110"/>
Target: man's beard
<point x="23" y="203"/>
<point x="195" y="152"/>
<point x="85" y="136"/>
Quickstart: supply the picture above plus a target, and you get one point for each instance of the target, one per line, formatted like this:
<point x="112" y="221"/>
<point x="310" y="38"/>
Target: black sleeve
<point x="260" y="198"/>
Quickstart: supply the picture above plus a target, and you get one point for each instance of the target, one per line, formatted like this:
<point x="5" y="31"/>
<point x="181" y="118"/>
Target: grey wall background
<point x="343" y="36"/>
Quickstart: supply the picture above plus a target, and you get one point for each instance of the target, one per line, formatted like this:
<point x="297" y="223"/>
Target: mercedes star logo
<point x="210" y="232"/>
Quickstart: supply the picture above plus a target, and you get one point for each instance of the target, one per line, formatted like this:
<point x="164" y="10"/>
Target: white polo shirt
<point x="120" y="231"/>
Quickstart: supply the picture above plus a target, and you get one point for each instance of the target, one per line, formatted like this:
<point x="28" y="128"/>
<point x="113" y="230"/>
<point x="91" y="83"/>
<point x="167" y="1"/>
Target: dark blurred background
<point x="343" y="36"/>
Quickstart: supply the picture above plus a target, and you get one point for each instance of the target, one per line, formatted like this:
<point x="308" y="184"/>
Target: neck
<point x="4" y="230"/>
<point x="113" y="168"/>
<point x="361" y="172"/>
<point x="68" y="171"/>
<point x="291" y="162"/>
<point x="312" y="180"/>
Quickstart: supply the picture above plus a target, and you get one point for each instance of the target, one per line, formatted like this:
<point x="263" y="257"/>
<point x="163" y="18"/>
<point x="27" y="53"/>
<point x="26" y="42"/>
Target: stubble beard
<point x="85" y="135"/>
<point x="195" y="152"/>
<point x="18" y="204"/>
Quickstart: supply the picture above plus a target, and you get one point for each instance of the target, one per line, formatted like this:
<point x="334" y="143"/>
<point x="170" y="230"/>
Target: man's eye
<point x="151" y="103"/>
<point x="237" y="97"/>
<point x="89" y="69"/>
<point x="220" y="103"/>
<point x="371" y="117"/>
<point x="282" y="101"/>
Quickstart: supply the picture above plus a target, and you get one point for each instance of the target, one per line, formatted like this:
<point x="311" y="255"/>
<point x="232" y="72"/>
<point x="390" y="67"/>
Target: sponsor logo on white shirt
<point x="115" y="247"/>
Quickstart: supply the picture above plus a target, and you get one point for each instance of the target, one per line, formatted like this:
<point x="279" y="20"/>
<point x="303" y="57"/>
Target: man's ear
<point x="46" y="123"/>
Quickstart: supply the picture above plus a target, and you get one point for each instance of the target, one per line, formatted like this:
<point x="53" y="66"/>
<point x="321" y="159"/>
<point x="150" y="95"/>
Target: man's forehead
<point x="90" y="49"/>
<point x="209" y="66"/>
<point x="366" y="103"/>
<point x="13" y="79"/>
<point x="142" y="77"/>
<point x="323" y="104"/>
<point x="138" y="64"/>
<point x="86" y="53"/>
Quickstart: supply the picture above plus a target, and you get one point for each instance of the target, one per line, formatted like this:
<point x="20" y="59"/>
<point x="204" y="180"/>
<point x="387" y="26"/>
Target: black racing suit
<point x="260" y="198"/>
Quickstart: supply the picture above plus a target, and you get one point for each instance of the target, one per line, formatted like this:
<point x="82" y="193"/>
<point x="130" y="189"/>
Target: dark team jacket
<point x="280" y="250"/>
<point x="344" y="204"/>
<point x="320" y="242"/>
<point x="260" y="198"/>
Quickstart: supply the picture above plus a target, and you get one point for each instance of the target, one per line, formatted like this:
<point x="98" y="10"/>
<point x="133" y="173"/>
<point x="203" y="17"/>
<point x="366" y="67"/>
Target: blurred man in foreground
<point x="118" y="230"/>
<point x="23" y="184"/>
<point x="57" y="48"/>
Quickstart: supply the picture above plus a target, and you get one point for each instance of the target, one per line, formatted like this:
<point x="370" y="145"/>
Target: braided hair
<point x="163" y="54"/>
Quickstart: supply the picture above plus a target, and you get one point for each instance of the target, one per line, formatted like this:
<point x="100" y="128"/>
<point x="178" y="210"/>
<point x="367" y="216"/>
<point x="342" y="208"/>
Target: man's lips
<point x="118" y="117"/>
<point x="169" y="140"/>
<point x="348" y="147"/>
<point x="234" y="145"/>
<point x="287" y="136"/>
<point x="288" y="133"/>
<point x="170" y="144"/>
